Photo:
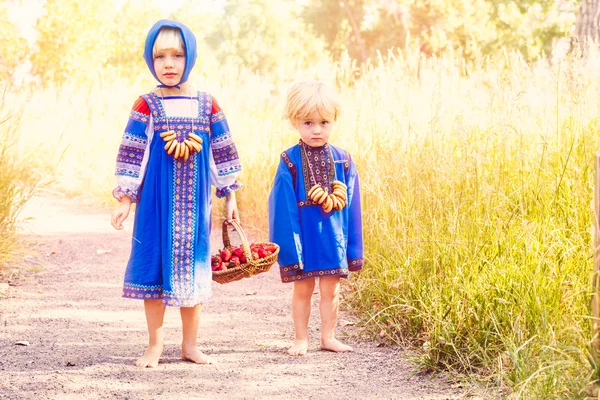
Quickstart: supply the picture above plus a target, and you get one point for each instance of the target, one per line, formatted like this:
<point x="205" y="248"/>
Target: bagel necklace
<point x="181" y="147"/>
<point x="337" y="199"/>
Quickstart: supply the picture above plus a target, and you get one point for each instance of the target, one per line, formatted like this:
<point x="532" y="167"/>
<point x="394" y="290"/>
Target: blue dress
<point x="170" y="254"/>
<point x="314" y="243"/>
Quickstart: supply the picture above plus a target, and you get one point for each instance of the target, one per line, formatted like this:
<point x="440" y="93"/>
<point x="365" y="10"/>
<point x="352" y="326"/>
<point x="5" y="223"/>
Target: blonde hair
<point x="306" y="97"/>
<point x="168" y="38"/>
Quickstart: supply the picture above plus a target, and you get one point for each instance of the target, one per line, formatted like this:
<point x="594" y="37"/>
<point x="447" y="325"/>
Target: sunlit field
<point x="477" y="183"/>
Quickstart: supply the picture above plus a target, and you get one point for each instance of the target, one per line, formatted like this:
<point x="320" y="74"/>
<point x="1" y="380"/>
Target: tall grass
<point x="477" y="183"/>
<point x="16" y="183"/>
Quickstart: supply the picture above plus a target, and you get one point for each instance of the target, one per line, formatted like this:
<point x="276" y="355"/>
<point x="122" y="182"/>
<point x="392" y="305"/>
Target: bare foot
<point x="299" y="348"/>
<point x="196" y="356"/>
<point x="150" y="357"/>
<point x="335" y="346"/>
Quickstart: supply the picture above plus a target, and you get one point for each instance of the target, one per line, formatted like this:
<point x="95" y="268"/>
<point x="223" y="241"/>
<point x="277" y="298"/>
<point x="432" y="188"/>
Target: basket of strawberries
<point x="233" y="263"/>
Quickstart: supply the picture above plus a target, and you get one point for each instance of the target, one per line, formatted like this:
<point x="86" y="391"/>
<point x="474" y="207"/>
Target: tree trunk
<point x="587" y="28"/>
<point x="356" y="30"/>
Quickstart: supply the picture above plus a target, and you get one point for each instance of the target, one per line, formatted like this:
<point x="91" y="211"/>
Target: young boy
<point x="315" y="213"/>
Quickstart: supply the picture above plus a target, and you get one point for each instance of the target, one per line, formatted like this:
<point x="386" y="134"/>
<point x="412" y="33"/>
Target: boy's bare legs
<point x="303" y="291"/>
<point x="329" y="305"/>
<point x="155" y="314"/>
<point x="190" y="321"/>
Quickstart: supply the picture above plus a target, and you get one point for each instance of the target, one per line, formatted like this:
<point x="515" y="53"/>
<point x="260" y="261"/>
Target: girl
<point x="315" y="213"/>
<point x="176" y="144"/>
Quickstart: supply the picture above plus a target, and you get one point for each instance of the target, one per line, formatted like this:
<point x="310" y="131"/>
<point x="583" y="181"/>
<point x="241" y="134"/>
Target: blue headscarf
<point x="189" y="41"/>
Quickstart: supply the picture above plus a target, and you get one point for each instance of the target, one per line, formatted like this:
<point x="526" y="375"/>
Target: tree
<point x="587" y="27"/>
<point x="473" y="27"/>
<point x="265" y="36"/>
<point x="13" y="47"/>
<point x="127" y="37"/>
<point x="74" y="42"/>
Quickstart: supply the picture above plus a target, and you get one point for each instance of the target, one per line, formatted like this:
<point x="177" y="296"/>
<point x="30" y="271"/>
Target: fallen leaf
<point x="381" y="344"/>
<point x="70" y="364"/>
<point x="346" y="323"/>
<point x="250" y="293"/>
<point x="102" y="251"/>
<point x="22" y="343"/>
<point x="382" y="333"/>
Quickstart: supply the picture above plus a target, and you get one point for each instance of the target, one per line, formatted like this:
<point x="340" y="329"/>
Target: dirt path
<point x="83" y="337"/>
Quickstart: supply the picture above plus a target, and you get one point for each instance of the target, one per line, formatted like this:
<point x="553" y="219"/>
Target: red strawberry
<point x="243" y="259"/>
<point x="235" y="260"/>
<point x="238" y="252"/>
<point x="262" y="252"/>
<point x="225" y="254"/>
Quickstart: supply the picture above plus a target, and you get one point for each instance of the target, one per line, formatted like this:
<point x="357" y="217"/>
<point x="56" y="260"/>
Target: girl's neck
<point x="185" y="89"/>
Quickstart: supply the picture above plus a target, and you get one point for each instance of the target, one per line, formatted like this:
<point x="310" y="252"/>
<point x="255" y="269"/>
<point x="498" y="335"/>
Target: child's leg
<point x="330" y="300"/>
<point x="155" y="314"/>
<point x="303" y="291"/>
<point x="190" y="320"/>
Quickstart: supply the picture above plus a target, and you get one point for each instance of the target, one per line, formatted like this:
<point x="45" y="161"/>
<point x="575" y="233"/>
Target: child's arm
<point x="355" y="240"/>
<point x="120" y="214"/>
<point x="231" y="207"/>
<point x="225" y="164"/>
<point x="284" y="219"/>
<point x="133" y="152"/>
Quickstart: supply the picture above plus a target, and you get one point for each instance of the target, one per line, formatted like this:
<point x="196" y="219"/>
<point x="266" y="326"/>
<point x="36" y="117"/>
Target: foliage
<point x="13" y="47"/>
<point x="435" y="26"/>
<point x="264" y="36"/>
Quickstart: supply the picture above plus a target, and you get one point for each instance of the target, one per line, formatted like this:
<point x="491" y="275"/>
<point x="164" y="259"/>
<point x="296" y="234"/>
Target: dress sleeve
<point x="355" y="237"/>
<point x="133" y="153"/>
<point x="225" y="164"/>
<point x="284" y="221"/>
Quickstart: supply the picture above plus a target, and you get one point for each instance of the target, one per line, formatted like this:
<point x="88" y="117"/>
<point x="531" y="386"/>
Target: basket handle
<point x="238" y="228"/>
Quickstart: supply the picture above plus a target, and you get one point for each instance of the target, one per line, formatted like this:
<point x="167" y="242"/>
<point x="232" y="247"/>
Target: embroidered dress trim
<point x="356" y="264"/>
<point x="225" y="154"/>
<point x="307" y="203"/>
<point x="158" y="110"/>
<point x="141" y="292"/>
<point x="319" y="161"/>
<point x="134" y="141"/>
<point x="183" y="232"/>
<point x="290" y="165"/>
<point x="292" y="273"/>
<point x="222" y="192"/>
<point x="219" y="116"/>
<point x="119" y="192"/>
<point x="130" y="156"/>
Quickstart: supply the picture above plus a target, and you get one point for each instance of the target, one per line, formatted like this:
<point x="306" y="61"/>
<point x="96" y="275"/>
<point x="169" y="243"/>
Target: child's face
<point x="169" y="65"/>
<point x="314" y="131"/>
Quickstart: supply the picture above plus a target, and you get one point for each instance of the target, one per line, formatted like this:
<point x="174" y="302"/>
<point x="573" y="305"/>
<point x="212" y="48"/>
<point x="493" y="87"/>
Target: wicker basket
<point x="250" y="268"/>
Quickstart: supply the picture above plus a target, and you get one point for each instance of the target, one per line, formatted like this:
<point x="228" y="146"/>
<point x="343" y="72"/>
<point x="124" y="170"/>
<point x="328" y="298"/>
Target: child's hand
<point x="121" y="213"/>
<point x="232" y="209"/>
